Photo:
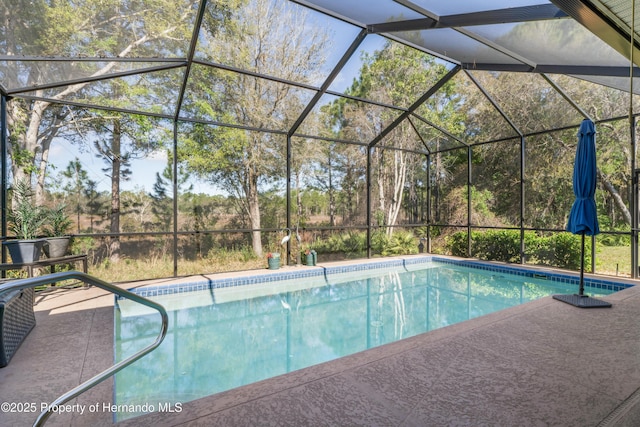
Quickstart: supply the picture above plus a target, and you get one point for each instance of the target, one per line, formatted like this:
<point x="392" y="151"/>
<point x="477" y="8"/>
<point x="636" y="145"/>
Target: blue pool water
<point x="224" y="336"/>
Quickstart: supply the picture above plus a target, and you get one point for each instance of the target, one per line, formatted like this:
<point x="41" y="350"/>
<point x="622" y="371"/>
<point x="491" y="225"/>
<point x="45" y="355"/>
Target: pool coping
<point x="226" y="280"/>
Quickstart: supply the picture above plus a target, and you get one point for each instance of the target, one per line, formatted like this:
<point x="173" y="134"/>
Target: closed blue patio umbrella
<point x="583" y="218"/>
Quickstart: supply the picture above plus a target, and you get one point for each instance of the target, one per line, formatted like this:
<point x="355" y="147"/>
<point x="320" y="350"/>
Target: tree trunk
<point x="382" y="201"/>
<point x="43" y="162"/>
<point x="298" y="198"/>
<point x="399" y="178"/>
<point x="332" y="204"/>
<point x="114" y="247"/>
<point x="550" y="201"/>
<point x="254" y="212"/>
<point x="436" y="188"/>
<point x="615" y="196"/>
<point x="413" y="210"/>
<point x="30" y="118"/>
<point x="24" y="151"/>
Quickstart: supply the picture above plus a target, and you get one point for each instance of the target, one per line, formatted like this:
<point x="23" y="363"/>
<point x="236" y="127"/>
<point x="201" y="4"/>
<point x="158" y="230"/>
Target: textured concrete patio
<point x="544" y="363"/>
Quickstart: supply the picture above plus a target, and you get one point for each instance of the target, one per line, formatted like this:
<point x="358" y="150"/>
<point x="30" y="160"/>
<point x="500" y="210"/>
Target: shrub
<point x="401" y="243"/>
<point x="457" y="243"/>
<point x="562" y="250"/>
<point x="557" y="250"/>
<point x="349" y="243"/>
<point x="379" y="241"/>
<point x="497" y="245"/>
<point x="615" y="239"/>
<point x="491" y="245"/>
<point x="355" y="243"/>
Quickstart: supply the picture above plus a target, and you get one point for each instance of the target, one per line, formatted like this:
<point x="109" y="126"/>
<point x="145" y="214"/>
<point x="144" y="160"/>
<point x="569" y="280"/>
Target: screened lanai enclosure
<point x="182" y="136"/>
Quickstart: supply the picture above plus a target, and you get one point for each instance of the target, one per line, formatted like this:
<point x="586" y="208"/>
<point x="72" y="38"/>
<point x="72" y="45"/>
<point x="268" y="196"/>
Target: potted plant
<point x="273" y="260"/>
<point x="25" y="222"/>
<point x="310" y="257"/>
<point x="57" y="232"/>
<point x="307" y="257"/>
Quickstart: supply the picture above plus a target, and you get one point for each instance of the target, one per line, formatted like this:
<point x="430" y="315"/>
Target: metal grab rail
<point x="65" y="275"/>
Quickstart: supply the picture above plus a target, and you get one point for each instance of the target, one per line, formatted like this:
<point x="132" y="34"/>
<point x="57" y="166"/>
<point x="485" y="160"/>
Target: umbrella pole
<point x="581" y="292"/>
<point x="580" y="299"/>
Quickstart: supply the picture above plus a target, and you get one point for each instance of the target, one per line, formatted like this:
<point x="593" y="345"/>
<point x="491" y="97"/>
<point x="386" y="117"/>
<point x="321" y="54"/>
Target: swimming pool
<point x="230" y="332"/>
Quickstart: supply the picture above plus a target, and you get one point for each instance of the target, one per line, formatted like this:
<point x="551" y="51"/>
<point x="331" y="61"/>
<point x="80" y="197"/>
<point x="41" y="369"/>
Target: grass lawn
<point x="614" y="260"/>
<point x="610" y="260"/>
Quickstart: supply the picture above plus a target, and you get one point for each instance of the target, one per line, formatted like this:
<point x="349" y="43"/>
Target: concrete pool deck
<point x="541" y="363"/>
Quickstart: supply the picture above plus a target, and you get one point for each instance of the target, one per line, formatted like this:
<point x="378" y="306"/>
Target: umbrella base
<point x="582" y="301"/>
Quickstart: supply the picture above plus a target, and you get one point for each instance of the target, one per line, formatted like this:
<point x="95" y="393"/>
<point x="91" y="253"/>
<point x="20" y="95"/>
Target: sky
<point x="144" y="170"/>
<point x="143" y="174"/>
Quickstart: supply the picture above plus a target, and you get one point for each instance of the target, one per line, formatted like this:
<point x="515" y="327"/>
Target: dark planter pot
<point x="24" y="251"/>
<point x="56" y="247"/>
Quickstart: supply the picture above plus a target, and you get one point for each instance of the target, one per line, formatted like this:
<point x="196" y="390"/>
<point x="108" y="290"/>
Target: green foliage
<point x="498" y="245"/>
<point x="272" y="209"/>
<point x="77" y="183"/>
<point x="491" y="245"/>
<point x="615" y="239"/>
<point x="379" y="241"/>
<point x="95" y="204"/>
<point x="82" y="245"/>
<point x="562" y="250"/>
<point x="162" y="202"/>
<point x="401" y="243"/>
<point x="607" y="223"/>
<point x="24" y="160"/>
<point x="354" y="243"/>
<point x="25" y="221"/>
<point x="379" y="218"/>
<point x="350" y="243"/>
<point x="482" y="203"/>
<point x="25" y="218"/>
<point x="245" y="162"/>
<point x="224" y="255"/>
<point x="58" y="222"/>
<point x="457" y="243"/>
<point x="314" y="202"/>
<point x="556" y="250"/>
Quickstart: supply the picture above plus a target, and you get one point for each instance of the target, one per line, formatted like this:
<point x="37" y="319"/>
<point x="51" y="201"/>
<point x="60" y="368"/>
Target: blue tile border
<point x="564" y="278"/>
<point x="151" y="291"/>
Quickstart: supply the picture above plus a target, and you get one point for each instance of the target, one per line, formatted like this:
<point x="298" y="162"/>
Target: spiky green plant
<point x="58" y="222"/>
<point x="401" y="243"/>
<point x="25" y="218"/>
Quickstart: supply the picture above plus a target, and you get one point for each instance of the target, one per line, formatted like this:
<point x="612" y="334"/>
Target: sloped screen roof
<point x="141" y="50"/>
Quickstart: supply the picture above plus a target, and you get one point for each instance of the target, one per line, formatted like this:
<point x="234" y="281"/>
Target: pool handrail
<point x="31" y="282"/>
